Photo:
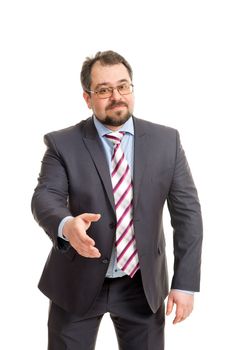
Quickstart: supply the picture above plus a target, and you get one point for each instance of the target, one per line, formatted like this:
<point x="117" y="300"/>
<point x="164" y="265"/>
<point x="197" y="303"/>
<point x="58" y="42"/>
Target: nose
<point x="115" y="94"/>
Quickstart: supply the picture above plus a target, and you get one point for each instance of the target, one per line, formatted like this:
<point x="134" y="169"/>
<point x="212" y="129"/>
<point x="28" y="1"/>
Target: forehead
<point x="110" y="74"/>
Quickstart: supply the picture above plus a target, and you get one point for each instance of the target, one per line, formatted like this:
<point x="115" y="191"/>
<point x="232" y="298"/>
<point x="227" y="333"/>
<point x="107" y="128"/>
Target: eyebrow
<point x="107" y="83"/>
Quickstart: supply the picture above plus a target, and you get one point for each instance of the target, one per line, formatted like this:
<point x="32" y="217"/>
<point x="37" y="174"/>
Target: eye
<point x="103" y="91"/>
<point x="123" y="87"/>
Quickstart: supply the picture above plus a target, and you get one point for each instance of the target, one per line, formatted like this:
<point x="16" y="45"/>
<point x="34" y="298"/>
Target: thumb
<point x="170" y="304"/>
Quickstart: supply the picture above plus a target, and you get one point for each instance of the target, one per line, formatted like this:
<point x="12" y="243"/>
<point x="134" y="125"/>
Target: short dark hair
<point x="106" y="58"/>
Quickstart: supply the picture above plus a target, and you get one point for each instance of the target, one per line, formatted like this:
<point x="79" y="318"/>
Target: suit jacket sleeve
<point x="186" y="220"/>
<point x="49" y="202"/>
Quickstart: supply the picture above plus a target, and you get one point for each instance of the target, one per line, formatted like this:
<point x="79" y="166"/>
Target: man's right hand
<point x="75" y="231"/>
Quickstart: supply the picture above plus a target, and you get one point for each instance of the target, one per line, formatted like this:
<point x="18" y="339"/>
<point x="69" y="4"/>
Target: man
<point x="100" y="197"/>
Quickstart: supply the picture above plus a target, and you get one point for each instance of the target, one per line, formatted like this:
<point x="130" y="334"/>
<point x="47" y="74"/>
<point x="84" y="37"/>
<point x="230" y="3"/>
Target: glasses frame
<point x="112" y="89"/>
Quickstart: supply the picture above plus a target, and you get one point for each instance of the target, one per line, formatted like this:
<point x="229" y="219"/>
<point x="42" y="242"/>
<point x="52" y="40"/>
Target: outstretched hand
<point x="184" y="305"/>
<point x="75" y="231"/>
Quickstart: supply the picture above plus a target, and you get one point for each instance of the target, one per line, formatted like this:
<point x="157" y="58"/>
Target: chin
<point x="117" y="119"/>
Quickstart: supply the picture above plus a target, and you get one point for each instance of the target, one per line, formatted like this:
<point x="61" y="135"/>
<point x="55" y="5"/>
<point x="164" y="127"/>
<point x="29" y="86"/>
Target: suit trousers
<point x="136" y="326"/>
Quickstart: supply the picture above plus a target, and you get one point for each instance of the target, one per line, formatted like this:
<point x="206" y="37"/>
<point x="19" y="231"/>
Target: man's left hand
<point x="184" y="305"/>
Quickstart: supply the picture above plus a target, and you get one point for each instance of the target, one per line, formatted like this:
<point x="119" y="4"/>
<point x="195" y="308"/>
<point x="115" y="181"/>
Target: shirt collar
<point x="102" y="130"/>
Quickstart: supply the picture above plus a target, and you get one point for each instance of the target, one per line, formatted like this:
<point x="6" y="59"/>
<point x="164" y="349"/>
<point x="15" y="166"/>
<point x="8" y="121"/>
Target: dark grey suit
<point x="75" y="179"/>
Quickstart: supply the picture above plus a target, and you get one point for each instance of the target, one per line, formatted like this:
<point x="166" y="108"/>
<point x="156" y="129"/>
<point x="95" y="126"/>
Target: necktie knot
<point x="115" y="137"/>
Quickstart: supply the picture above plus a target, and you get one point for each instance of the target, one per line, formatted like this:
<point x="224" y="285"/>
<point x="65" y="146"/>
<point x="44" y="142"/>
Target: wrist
<point x="63" y="231"/>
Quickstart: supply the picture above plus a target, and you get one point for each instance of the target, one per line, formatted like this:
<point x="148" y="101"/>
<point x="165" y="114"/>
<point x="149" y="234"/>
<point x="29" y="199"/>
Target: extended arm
<point x="50" y="205"/>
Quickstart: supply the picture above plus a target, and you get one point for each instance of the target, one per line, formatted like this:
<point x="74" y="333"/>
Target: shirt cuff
<point x="185" y="291"/>
<point x="61" y="225"/>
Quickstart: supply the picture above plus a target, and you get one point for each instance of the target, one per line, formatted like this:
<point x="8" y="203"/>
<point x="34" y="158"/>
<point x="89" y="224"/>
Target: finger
<point x="170" y="304"/>
<point x="94" y="252"/>
<point x="179" y="319"/>
<point x="87" y="246"/>
<point x="184" y="312"/>
<point x="90" y="252"/>
<point x="89" y="217"/>
<point x="179" y="315"/>
<point x="86" y="240"/>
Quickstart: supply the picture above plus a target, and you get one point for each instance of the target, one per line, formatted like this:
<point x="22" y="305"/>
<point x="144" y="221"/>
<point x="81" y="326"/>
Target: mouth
<point x="117" y="106"/>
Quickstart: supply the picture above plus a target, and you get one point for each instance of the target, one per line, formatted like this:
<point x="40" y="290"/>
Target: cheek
<point x="99" y="106"/>
<point x="130" y="103"/>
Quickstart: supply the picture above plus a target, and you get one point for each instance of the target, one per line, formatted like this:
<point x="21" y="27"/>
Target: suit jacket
<point x="75" y="179"/>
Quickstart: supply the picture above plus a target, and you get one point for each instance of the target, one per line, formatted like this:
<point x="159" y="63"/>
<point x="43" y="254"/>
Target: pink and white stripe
<point x="127" y="256"/>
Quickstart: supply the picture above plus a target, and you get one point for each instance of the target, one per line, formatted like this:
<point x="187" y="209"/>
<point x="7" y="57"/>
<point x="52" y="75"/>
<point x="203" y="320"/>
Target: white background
<point x="182" y="56"/>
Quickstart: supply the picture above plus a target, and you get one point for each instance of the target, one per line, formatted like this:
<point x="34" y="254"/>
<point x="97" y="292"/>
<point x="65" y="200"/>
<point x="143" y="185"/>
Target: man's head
<point x="107" y="83"/>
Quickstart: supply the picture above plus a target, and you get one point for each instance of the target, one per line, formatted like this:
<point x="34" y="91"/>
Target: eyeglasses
<point x="106" y="92"/>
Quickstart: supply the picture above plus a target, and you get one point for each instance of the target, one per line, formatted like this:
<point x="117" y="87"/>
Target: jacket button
<point x="112" y="225"/>
<point x="105" y="261"/>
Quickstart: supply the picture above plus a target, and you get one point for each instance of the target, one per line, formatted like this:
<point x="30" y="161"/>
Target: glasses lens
<point x="125" y="89"/>
<point x="104" y="92"/>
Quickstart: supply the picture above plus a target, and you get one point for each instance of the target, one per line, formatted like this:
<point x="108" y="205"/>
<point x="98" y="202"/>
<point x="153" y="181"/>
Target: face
<point x="113" y="111"/>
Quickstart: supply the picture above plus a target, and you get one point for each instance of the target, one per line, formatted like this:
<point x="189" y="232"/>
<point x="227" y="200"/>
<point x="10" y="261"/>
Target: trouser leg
<point x="136" y="326"/>
<point x="143" y="334"/>
<point x="66" y="331"/>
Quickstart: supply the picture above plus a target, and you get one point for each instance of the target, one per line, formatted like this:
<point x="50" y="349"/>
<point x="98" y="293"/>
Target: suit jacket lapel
<point x="95" y="148"/>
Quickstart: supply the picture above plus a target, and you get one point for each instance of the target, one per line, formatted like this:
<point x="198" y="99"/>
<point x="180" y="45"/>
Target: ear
<point x="87" y="98"/>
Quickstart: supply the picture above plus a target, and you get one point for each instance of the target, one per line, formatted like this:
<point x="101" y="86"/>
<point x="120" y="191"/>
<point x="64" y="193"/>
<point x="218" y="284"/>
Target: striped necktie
<point x="127" y="256"/>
